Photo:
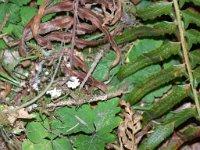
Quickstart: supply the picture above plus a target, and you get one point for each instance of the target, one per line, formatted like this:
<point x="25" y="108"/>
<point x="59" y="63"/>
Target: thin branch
<point x="45" y="90"/>
<point x="75" y="102"/>
<point x="185" y="54"/>
<point x="4" y="22"/>
<point x="75" y="9"/>
<point x="93" y="66"/>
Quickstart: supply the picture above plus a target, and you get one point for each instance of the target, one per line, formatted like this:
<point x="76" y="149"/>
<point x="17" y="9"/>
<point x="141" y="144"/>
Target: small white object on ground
<point x="55" y="93"/>
<point x="73" y="82"/>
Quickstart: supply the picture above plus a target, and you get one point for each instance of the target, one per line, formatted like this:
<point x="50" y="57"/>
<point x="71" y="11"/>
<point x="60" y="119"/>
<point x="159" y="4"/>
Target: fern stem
<point x="185" y="54"/>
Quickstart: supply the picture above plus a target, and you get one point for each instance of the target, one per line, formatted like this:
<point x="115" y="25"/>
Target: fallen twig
<point x="93" y="66"/>
<point x="75" y="8"/>
<point x="4" y="22"/>
<point x="75" y="102"/>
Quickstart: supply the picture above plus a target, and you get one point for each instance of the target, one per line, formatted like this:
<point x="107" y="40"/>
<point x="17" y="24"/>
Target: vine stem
<point x="45" y="90"/>
<point x="185" y="54"/>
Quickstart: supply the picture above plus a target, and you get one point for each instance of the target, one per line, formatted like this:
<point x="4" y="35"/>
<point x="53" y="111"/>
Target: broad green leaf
<point x="151" y="30"/>
<point x="43" y="145"/>
<point x="36" y="132"/>
<point x="155" y="81"/>
<point x="152" y="57"/>
<point x="28" y="145"/>
<point x="105" y="120"/>
<point x="143" y="46"/>
<point x="157" y="137"/>
<point x="164" y="105"/>
<point x="85" y="119"/>
<point x="192" y="37"/>
<point x="61" y="144"/>
<point x="191" y="16"/>
<point x="20" y="2"/>
<point x="194" y="57"/>
<point x="101" y="71"/>
<point x="149" y="98"/>
<point x="26" y="13"/>
<point x="97" y="123"/>
<point x="155" y="10"/>
<point x="96" y="141"/>
<point x="73" y="120"/>
<point x="195" y="2"/>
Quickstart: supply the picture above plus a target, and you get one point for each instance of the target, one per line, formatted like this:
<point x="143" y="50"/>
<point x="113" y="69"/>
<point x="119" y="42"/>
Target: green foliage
<point x="190" y="17"/>
<point x="195" y="58"/>
<point x="192" y="37"/>
<point x="153" y="71"/>
<point x="157" y="137"/>
<point x="26" y="13"/>
<point x="182" y="2"/>
<point x="166" y="128"/>
<point x="36" y="132"/>
<point x="98" y="123"/>
<point x="102" y="68"/>
<point x="168" y="54"/>
<point x="165" y="104"/>
<point x="151" y="30"/>
<point x="157" y="10"/>
<point x="155" y="81"/>
<point x="146" y="59"/>
<point x="20" y="13"/>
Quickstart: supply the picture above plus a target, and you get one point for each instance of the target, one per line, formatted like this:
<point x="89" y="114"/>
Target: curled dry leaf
<point x="9" y="116"/>
<point x="47" y="32"/>
<point x="93" y="16"/>
<point x="128" y="129"/>
<point x="5" y="89"/>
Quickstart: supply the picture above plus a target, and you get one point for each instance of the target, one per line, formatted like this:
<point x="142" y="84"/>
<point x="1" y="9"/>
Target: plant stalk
<point x="185" y="54"/>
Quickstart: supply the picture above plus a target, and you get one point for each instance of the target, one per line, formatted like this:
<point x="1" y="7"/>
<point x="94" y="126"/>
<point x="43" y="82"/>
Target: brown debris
<point x="35" y="29"/>
<point x="128" y="129"/>
<point x="89" y="16"/>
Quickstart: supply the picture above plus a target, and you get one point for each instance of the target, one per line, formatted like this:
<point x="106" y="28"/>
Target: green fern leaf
<point x="195" y="2"/>
<point x="192" y="37"/>
<point x="191" y="16"/>
<point x="155" y="10"/>
<point x="180" y="117"/>
<point x="164" y="105"/>
<point x="196" y="74"/>
<point x="146" y="59"/>
<point x="167" y="128"/>
<point x="157" y="29"/>
<point x="155" y="81"/>
<point x="194" y="58"/>
<point x="161" y="133"/>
